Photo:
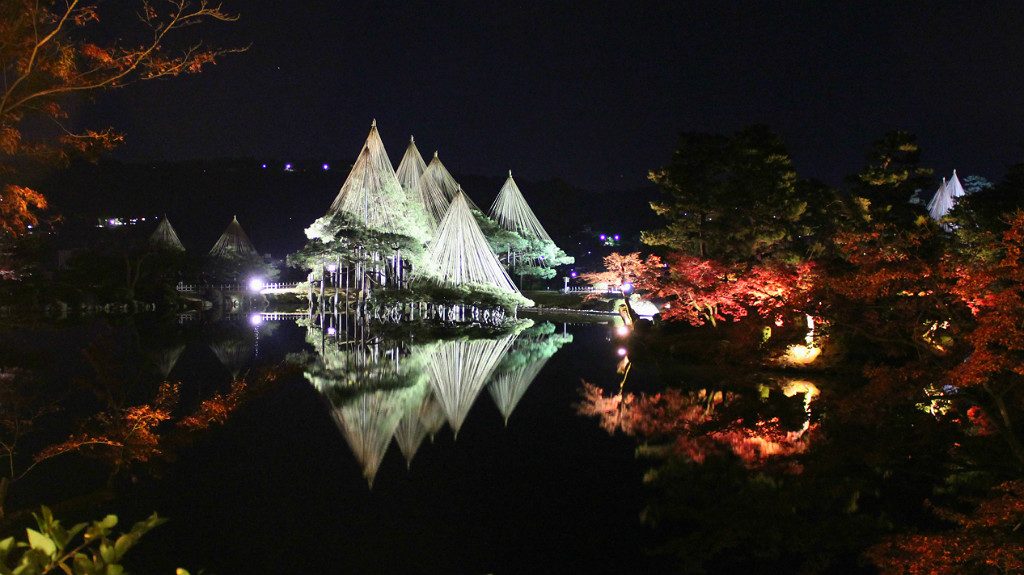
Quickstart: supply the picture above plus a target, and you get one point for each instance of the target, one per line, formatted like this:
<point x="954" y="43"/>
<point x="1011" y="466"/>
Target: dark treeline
<point x="907" y="319"/>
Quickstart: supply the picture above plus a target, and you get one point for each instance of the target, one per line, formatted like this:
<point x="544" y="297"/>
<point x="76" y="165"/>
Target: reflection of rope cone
<point x="412" y="429"/>
<point x="368" y="421"/>
<point x="460" y="369"/>
<point x="508" y="387"/>
<point x="233" y="354"/>
<point x="165" y="359"/>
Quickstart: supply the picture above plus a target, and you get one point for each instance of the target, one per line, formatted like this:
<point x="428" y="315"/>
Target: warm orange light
<point x="802" y="354"/>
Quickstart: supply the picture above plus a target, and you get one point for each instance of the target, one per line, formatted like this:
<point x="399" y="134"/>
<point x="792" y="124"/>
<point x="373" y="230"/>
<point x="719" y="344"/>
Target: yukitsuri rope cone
<point x="460" y="253"/>
<point x="512" y="212"/>
<point x="233" y="243"/>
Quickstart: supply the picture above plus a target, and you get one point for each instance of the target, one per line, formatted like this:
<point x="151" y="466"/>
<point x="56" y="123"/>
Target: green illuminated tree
<point x="892" y="176"/>
<point x="732" y="198"/>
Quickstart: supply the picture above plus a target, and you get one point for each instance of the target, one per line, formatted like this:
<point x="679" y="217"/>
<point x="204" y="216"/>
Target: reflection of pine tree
<point x="530" y="352"/>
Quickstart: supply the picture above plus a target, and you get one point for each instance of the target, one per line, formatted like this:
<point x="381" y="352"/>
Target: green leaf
<point x="107" y="553"/>
<point x="75" y="530"/>
<point x="37" y="540"/>
<point x="108" y="522"/>
<point x="114" y="570"/>
<point x="123" y="544"/>
<point x="6" y="546"/>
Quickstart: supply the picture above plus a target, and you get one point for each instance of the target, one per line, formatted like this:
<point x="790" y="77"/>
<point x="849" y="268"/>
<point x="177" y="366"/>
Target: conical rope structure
<point x="164" y="237"/>
<point x="460" y="369"/>
<point x="509" y="386"/>
<point x="372" y="194"/>
<point x="233" y="243"/>
<point x="956" y="189"/>
<point x="513" y="213"/>
<point x="460" y="253"/>
<point x="410" y="171"/>
<point x="438" y="188"/>
<point x="945" y="197"/>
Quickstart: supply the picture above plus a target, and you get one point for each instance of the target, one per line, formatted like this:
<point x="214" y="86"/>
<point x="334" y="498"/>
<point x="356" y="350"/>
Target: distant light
<point x="264" y="166"/>
<point x="573" y="274"/>
<point x="616" y="237"/>
<point x="603" y="237"/>
<point x="332" y="331"/>
<point x="622" y="331"/>
<point x="288" y="167"/>
<point x="627" y="286"/>
<point x="113" y="222"/>
<point x="256" y="285"/>
<point x="326" y="167"/>
<point x="256" y="319"/>
<point x="622" y="352"/>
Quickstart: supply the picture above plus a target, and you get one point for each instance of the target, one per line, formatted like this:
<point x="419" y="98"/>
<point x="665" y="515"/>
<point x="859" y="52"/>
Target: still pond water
<point x="310" y="477"/>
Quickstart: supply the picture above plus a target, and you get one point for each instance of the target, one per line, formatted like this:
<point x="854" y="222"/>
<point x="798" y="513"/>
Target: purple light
<point x="326" y="167"/>
<point x="331" y="331"/>
<point x="573" y="274"/>
<point x="603" y="237"/>
<point x="287" y="167"/>
<point x="264" y="166"/>
<point x="616" y="237"/>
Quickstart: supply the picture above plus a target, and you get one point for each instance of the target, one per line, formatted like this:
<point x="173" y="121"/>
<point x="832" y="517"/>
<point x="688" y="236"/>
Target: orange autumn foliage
<point x="51" y="51"/>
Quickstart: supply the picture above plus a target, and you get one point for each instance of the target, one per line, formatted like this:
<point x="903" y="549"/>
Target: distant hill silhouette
<point x="275" y="206"/>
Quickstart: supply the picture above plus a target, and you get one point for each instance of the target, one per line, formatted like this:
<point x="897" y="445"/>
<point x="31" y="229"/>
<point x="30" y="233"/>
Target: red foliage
<point x="690" y="423"/>
<point x="986" y="540"/>
<point x="702" y="290"/>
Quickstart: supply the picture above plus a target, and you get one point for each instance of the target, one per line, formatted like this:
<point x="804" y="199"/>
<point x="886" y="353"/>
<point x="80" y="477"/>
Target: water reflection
<point x="406" y="387"/>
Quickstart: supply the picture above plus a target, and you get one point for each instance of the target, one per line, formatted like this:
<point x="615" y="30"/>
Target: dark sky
<point x="595" y="93"/>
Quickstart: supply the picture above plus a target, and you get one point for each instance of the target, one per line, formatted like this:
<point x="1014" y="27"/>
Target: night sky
<point x="593" y="93"/>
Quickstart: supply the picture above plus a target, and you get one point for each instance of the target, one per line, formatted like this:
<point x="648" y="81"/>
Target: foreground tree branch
<point x="52" y="50"/>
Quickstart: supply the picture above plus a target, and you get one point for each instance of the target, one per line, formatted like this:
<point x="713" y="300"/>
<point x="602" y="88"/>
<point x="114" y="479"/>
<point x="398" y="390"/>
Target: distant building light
<point x="603" y="237"/>
<point x="573" y="274"/>
<point x="326" y="167"/>
<point x="256" y="319"/>
<point x="264" y="166"/>
<point x="616" y="237"/>
<point x="289" y="168"/>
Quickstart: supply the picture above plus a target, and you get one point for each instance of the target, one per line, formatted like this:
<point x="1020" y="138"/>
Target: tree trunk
<point x="1007" y="424"/>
